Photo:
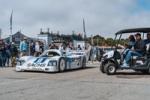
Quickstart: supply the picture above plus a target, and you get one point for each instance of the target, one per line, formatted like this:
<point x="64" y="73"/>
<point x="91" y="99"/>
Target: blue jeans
<point x="130" y="54"/>
<point x="8" y="55"/>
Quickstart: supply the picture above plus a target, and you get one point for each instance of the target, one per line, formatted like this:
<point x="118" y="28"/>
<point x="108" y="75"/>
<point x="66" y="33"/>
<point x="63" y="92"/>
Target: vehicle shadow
<point x="132" y="75"/>
<point x="74" y="70"/>
<point x="66" y="71"/>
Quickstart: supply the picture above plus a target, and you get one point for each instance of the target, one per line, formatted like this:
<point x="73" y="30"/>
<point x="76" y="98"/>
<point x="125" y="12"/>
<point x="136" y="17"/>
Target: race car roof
<point x="143" y="30"/>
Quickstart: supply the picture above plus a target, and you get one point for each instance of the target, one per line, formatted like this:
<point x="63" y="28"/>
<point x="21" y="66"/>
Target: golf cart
<point x="112" y="60"/>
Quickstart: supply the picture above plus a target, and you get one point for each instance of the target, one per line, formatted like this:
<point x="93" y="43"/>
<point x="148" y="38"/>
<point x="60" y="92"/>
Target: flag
<point x="83" y="26"/>
<point x="11" y="17"/>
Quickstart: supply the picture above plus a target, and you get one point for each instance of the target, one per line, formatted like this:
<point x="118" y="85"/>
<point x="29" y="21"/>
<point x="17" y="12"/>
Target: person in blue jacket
<point x="23" y="47"/>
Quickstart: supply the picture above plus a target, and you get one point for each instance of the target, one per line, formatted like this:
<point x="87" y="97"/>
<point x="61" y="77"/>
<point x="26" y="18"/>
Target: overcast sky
<point x="103" y="17"/>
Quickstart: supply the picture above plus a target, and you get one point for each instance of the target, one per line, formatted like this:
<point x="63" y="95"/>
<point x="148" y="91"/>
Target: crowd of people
<point x="10" y="51"/>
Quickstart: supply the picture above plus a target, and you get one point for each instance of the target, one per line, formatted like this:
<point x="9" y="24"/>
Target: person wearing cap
<point x="139" y="50"/>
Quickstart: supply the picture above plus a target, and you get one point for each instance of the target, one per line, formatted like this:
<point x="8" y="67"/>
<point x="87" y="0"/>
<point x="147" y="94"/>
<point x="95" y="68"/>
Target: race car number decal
<point x="40" y="60"/>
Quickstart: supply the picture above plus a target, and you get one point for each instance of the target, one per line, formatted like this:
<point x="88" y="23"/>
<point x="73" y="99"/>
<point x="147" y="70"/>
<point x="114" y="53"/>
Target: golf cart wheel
<point x="110" y="69"/>
<point x="62" y="65"/>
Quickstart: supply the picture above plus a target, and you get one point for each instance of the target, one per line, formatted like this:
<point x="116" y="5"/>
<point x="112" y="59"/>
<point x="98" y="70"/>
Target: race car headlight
<point x="20" y="62"/>
<point x="52" y="63"/>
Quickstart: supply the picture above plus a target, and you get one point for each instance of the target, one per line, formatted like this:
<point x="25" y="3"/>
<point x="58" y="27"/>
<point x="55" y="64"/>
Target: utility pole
<point x="92" y="40"/>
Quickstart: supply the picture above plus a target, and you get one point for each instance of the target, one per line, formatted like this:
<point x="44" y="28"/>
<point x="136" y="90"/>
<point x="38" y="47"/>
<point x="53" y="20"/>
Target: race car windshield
<point x="50" y="54"/>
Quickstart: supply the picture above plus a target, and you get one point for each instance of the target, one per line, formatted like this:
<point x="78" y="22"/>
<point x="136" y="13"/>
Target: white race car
<point x="52" y="61"/>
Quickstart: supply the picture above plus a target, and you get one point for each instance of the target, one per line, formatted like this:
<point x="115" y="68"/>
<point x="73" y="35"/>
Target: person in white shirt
<point x="37" y="49"/>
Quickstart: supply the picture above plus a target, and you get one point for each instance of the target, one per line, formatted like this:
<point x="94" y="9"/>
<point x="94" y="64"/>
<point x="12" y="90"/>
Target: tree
<point x="109" y="41"/>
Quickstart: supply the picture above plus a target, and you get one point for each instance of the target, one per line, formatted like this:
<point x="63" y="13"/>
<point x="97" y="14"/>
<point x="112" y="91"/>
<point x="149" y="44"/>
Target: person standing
<point x="32" y="48"/>
<point x="23" y="48"/>
<point x="93" y="55"/>
<point x="14" y="54"/>
<point x="37" y="49"/>
<point x="4" y="55"/>
<point x="8" y="53"/>
<point x="2" y="46"/>
<point x="68" y="50"/>
<point x="41" y="47"/>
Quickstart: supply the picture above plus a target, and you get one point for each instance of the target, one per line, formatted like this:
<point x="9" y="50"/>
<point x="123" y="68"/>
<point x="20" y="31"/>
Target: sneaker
<point x="125" y="65"/>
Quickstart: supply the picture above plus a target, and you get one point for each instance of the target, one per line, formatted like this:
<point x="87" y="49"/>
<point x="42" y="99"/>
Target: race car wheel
<point x="18" y="70"/>
<point x="62" y="65"/>
<point x="110" y="69"/>
<point x="145" y="71"/>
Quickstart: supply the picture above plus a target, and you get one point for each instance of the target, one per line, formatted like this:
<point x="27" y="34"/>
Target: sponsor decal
<point x="39" y="62"/>
<point x="36" y="65"/>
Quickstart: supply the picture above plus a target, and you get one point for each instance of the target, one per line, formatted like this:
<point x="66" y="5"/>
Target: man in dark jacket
<point x="14" y="54"/>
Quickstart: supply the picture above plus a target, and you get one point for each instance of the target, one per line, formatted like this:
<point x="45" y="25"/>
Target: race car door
<point x="73" y="62"/>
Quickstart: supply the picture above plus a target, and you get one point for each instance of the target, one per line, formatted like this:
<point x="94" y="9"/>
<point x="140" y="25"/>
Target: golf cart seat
<point x="136" y="60"/>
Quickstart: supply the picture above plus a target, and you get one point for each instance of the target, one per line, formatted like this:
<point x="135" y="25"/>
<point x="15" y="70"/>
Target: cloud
<point x="101" y="16"/>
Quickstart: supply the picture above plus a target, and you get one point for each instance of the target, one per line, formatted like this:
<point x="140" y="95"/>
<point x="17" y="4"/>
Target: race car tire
<point x="145" y="71"/>
<point x="19" y="70"/>
<point x="110" y="69"/>
<point x="62" y="65"/>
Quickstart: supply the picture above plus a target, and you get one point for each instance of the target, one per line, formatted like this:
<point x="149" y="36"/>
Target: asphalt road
<point x="83" y="84"/>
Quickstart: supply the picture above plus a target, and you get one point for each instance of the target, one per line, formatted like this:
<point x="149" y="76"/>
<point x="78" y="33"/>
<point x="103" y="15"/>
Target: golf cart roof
<point x="144" y="30"/>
